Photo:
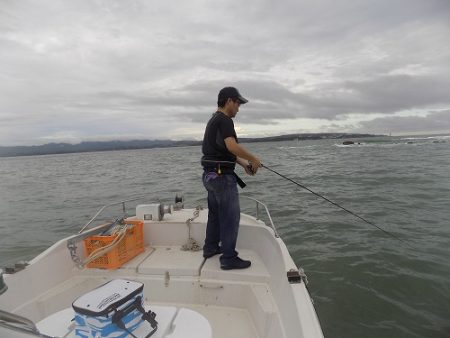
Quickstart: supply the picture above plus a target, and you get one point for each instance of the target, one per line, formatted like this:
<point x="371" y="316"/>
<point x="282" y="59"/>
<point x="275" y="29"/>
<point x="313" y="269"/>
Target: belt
<point x="220" y="170"/>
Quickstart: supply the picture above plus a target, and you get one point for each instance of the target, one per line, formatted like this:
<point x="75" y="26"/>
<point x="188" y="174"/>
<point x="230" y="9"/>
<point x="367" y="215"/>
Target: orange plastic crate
<point x="129" y="247"/>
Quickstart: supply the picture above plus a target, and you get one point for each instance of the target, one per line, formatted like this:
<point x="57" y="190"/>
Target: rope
<point x="191" y="244"/>
<point x="118" y="230"/>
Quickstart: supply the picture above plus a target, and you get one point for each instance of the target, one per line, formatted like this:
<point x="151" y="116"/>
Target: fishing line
<point x="339" y="206"/>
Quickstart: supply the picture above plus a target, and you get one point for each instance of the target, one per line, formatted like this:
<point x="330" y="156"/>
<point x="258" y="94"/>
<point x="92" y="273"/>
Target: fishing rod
<point x="339" y="206"/>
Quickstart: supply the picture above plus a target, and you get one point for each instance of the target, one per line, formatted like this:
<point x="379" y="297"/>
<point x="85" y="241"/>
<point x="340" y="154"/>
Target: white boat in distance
<point x="191" y="296"/>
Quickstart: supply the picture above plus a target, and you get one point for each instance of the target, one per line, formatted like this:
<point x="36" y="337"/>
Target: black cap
<point x="231" y="93"/>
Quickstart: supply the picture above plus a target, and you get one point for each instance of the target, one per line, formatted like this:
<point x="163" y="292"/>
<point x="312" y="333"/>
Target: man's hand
<point x="247" y="165"/>
<point x="255" y="165"/>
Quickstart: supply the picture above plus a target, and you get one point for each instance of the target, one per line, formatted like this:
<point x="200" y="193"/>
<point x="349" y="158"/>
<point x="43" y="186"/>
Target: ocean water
<point x="364" y="283"/>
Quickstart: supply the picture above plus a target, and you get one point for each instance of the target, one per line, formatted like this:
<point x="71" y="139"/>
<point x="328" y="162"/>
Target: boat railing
<point x="14" y="322"/>
<point x="85" y="232"/>
<point x="261" y="204"/>
<point x="100" y="211"/>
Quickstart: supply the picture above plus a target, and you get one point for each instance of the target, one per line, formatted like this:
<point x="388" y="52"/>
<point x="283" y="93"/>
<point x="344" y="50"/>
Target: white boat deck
<point x="257" y="302"/>
<point x="170" y="273"/>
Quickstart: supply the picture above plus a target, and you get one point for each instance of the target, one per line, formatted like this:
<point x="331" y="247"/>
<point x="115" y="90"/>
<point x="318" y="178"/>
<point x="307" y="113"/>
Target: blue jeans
<point x="223" y="215"/>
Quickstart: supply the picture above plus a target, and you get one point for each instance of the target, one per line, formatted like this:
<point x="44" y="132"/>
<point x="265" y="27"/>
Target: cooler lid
<point x="101" y="300"/>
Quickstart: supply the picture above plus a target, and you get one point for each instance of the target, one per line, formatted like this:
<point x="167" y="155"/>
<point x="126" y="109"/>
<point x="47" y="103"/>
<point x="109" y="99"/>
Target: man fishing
<point x="221" y="152"/>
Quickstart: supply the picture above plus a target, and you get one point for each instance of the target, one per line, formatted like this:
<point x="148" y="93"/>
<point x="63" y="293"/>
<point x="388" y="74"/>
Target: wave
<point x="433" y="137"/>
<point x="410" y="140"/>
<point x="297" y="147"/>
<point x="374" y="144"/>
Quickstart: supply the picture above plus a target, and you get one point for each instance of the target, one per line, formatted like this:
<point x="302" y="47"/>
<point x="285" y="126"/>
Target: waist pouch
<point x="114" y="309"/>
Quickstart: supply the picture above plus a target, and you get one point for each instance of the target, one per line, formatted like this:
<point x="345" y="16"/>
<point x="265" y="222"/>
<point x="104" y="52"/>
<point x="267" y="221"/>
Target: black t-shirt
<point x="219" y="127"/>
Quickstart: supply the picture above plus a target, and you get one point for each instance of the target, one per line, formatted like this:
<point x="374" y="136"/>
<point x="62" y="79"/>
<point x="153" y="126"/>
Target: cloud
<point x="155" y="68"/>
<point x="433" y="122"/>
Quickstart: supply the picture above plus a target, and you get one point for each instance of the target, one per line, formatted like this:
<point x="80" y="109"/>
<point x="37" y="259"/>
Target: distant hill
<point x="307" y="136"/>
<point x="64" y="148"/>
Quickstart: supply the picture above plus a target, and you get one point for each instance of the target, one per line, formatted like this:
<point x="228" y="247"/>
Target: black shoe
<point x="235" y="263"/>
<point x="210" y="254"/>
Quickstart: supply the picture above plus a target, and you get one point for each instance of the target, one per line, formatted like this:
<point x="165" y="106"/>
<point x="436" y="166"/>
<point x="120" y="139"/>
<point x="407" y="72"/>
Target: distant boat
<point x="348" y="143"/>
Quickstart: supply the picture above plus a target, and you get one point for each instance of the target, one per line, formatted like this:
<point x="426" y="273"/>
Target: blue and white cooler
<point x="113" y="310"/>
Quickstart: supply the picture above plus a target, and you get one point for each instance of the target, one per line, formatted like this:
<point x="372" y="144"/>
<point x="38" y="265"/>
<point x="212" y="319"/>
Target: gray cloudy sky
<point x="115" y="69"/>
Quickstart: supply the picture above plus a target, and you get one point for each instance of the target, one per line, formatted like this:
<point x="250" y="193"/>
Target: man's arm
<point x="239" y="151"/>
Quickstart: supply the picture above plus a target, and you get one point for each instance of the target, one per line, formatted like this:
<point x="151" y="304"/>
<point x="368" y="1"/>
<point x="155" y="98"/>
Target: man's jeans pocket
<point x="210" y="176"/>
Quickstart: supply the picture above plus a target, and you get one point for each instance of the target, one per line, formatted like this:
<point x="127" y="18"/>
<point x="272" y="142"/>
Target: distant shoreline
<point x="84" y="147"/>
